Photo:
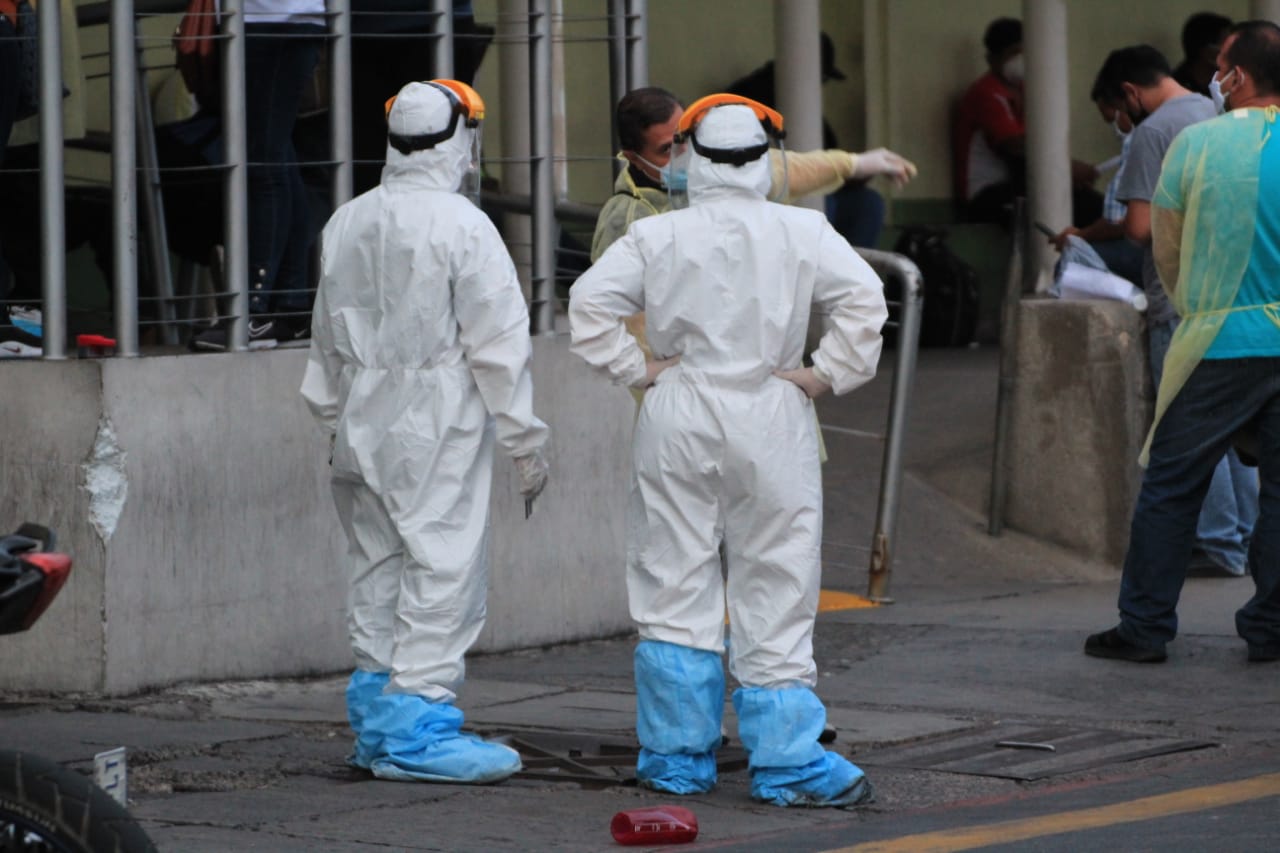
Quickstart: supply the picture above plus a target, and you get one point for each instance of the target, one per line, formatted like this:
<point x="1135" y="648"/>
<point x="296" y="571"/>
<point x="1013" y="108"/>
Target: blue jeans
<point x="857" y="212"/>
<point x="279" y="59"/>
<point x="1231" y="504"/>
<point x="1220" y="397"/>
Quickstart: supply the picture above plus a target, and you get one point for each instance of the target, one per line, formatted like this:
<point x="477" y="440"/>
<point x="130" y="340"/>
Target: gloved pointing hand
<point x="882" y="161"/>
<point x="533" y="471"/>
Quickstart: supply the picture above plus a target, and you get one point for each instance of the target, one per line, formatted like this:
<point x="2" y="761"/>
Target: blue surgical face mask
<point x="1215" y="91"/>
<point x="666" y="176"/>
<point x="676" y="180"/>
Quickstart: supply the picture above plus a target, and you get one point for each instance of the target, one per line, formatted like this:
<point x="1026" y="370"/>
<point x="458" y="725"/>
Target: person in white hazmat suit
<point x="419" y="364"/>
<point x="724" y="449"/>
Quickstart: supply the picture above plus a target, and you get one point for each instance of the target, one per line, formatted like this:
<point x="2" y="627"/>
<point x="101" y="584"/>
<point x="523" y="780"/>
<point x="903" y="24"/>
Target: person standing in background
<point x="283" y="39"/>
<point x="1215" y="218"/>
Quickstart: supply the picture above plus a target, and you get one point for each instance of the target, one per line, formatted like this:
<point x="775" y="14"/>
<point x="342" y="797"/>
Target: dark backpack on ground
<point x="950" y="288"/>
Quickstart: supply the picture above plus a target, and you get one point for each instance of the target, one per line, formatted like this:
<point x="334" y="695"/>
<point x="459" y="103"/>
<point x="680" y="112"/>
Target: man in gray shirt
<point x="1138" y="81"/>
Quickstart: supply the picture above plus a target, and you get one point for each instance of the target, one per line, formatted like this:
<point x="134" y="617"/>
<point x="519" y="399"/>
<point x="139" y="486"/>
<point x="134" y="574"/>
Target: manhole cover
<point x="1026" y="751"/>
<point x="589" y="759"/>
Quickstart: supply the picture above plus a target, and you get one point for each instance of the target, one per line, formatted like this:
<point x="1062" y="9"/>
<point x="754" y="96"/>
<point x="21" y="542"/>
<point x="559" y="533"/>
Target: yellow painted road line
<point x="1147" y="808"/>
<point x="829" y="600"/>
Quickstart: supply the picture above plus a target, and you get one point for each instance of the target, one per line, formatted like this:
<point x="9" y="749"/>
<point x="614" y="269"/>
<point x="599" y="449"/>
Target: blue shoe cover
<point x="422" y="741"/>
<point x="362" y="689"/>
<point x="779" y="729"/>
<point x="679" y="708"/>
<point x="830" y="781"/>
<point x="676" y="774"/>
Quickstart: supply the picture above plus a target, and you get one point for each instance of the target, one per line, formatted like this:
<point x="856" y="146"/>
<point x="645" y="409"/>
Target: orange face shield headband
<point x="467" y="105"/>
<point x="770" y="119"/>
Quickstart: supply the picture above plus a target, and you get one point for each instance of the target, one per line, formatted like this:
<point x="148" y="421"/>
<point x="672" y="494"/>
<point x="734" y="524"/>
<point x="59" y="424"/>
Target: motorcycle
<point x="44" y="807"/>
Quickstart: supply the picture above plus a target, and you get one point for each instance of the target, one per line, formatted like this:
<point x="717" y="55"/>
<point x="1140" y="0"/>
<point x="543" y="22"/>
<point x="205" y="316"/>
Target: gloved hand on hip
<point x="652" y="369"/>
<point x="807" y="379"/>
<point x="533" y="471"/>
<point x="882" y="161"/>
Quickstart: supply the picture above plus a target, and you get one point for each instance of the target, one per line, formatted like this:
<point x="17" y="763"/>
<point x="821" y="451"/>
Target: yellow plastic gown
<point x="1202" y="235"/>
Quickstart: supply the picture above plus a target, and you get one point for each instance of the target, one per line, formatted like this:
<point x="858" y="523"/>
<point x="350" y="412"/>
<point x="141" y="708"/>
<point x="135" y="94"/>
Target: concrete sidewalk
<point x="983" y="642"/>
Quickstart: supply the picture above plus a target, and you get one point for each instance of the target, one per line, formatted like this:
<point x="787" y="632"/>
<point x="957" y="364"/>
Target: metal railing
<point x="894" y="269"/>
<point x="628" y="69"/>
<point x="136" y="204"/>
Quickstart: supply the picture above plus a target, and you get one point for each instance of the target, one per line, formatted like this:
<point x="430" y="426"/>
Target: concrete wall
<point x="1081" y="409"/>
<point x="192" y="493"/>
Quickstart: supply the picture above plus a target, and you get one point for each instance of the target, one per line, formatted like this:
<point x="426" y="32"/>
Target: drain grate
<point x="592" y="760"/>
<point x="1028" y="752"/>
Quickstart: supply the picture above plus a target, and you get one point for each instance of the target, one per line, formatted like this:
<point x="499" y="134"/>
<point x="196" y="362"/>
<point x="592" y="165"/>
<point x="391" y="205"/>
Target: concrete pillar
<point x="1048" y="114"/>
<point x="799" y="75"/>
<point x="1081" y="406"/>
<point x="1265" y="10"/>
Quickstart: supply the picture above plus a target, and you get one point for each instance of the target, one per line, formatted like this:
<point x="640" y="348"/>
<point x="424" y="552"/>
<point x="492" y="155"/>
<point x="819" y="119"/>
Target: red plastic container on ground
<point x="654" y="825"/>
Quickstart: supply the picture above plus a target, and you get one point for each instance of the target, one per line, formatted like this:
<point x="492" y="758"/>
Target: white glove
<point x="533" y="471"/>
<point x="882" y="161"/>
<point x="653" y="368"/>
<point x="807" y="379"/>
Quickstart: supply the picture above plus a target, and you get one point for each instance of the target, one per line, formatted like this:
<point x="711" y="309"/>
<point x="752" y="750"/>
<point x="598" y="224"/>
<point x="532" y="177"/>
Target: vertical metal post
<point x="542" y="198"/>
<point x="1017" y="274"/>
<point x="1048" y="125"/>
<point x="884" y="539"/>
<point x="236" y="183"/>
<point x="124" y="177"/>
<point x="618" y="82"/>
<point x="637" y="44"/>
<point x="340" y="144"/>
<point x="53" y="241"/>
<point x="152" y="206"/>
<point x="799" y="75"/>
<point x="442" y="50"/>
<point x="513" y="93"/>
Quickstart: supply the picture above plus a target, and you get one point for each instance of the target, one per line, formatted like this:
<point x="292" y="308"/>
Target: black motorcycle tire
<point x="46" y="807"/>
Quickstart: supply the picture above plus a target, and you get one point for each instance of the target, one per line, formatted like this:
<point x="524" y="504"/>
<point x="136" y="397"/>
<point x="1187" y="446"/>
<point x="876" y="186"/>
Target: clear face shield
<point x="472" y="172"/>
<point x="687" y="143"/>
<point x="464" y="123"/>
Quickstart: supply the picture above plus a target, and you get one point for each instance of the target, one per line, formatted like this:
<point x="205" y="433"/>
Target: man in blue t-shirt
<point x="1215" y="218"/>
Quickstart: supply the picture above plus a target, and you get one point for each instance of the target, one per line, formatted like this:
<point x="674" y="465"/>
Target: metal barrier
<point x="626" y="39"/>
<point x="135" y="173"/>
<point x="898" y="269"/>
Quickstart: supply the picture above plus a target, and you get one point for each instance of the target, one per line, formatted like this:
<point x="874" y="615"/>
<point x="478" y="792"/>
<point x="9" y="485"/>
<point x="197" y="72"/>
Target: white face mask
<point x="1215" y="91"/>
<point x="663" y="172"/>
<point x="1122" y="135"/>
<point x="1014" y="69"/>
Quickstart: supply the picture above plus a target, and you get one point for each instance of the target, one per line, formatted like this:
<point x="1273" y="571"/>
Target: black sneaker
<point x="299" y="333"/>
<point x="1263" y="654"/>
<point x="263" y="334"/>
<point x="1109" y="644"/>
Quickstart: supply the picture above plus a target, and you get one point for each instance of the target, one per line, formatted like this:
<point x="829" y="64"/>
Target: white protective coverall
<point x="420" y="353"/>
<point x="722" y="447"/>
